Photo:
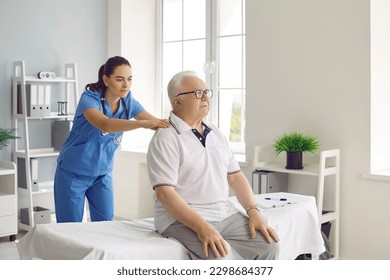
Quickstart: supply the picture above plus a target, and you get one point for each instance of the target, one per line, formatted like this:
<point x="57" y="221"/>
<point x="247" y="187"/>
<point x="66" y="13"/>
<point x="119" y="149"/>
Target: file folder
<point x="46" y="108"/>
<point x="34" y="174"/>
<point x="60" y="132"/>
<point x="22" y="180"/>
<point x="41" y="100"/>
<point x="269" y="182"/>
<point x="31" y="100"/>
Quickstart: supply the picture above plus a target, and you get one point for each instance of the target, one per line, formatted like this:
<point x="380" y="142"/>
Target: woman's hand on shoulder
<point x="149" y="121"/>
<point x="154" y="123"/>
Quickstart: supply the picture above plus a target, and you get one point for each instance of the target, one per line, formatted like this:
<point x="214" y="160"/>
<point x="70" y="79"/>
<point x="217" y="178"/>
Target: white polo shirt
<point x="176" y="157"/>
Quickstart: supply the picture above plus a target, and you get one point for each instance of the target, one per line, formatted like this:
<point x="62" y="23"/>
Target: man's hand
<point x="257" y="222"/>
<point x="180" y="211"/>
<point x="209" y="236"/>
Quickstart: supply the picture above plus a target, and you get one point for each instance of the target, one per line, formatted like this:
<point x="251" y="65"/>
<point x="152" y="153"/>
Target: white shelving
<point x="325" y="165"/>
<point x="26" y="90"/>
<point x="8" y="200"/>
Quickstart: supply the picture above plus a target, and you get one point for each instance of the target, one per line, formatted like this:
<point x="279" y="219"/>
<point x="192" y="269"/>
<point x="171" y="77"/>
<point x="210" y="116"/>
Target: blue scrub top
<point x="87" y="151"/>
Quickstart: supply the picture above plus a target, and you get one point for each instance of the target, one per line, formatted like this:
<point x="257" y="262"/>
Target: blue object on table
<point x="279" y="199"/>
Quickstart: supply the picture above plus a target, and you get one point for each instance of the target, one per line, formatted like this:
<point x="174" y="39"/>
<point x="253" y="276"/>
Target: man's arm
<point x="244" y="194"/>
<point x="182" y="212"/>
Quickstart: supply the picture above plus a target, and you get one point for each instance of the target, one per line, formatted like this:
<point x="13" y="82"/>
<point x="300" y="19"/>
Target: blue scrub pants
<point x="70" y="191"/>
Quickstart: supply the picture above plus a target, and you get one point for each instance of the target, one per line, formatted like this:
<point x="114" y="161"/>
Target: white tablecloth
<point x="296" y="225"/>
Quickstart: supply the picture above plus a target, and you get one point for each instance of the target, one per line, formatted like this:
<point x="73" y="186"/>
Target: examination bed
<point x="295" y="220"/>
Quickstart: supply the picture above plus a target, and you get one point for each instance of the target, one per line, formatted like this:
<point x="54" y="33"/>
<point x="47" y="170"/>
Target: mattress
<point x="294" y="219"/>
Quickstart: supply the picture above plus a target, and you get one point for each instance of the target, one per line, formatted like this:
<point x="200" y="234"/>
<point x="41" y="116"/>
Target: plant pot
<point x="294" y="160"/>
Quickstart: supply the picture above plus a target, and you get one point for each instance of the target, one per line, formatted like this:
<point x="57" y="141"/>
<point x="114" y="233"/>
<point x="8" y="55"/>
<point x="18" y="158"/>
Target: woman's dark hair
<point x="107" y="69"/>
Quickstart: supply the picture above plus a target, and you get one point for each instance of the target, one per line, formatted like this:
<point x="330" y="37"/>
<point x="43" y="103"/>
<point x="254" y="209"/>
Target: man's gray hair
<point x="175" y="82"/>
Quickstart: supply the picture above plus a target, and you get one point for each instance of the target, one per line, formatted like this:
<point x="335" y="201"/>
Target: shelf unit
<point x="324" y="165"/>
<point x="30" y="196"/>
<point x="8" y="200"/>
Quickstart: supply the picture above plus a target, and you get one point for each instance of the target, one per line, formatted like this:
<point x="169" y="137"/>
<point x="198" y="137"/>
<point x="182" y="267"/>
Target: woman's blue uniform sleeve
<point x="88" y="100"/>
<point x="91" y="99"/>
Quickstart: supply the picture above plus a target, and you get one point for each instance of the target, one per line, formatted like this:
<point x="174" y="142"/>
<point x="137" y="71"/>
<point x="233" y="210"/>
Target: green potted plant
<point x="294" y="144"/>
<point x="5" y="136"/>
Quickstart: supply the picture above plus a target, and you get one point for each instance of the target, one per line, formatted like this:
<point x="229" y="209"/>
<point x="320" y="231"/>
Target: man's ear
<point x="176" y="102"/>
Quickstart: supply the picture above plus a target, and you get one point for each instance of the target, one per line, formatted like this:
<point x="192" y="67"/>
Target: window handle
<point x="208" y="67"/>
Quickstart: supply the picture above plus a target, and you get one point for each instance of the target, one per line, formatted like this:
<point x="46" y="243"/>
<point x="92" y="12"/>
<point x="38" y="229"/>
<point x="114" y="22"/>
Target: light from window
<point x="215" y="49"/>
<point x="380" y="86"/>
<point x="231" y="70"/>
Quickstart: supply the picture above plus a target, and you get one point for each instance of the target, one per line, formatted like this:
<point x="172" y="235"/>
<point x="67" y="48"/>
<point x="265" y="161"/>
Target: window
<point x="207" y="37"/>
<point x="380" y="88"/>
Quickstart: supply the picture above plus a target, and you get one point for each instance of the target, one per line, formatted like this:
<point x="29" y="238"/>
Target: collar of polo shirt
<point x="181" y="126"/>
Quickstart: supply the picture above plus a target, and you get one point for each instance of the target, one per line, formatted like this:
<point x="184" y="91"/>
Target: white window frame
<point x="380" y="97"/>
<point x="211" y="69"/>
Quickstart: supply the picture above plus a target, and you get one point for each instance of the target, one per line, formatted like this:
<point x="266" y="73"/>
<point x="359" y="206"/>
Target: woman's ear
<point x="105" y="79"/>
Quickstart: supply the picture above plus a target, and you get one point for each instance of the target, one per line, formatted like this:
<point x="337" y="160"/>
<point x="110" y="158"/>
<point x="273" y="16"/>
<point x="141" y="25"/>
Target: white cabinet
<point x="8" y="200"/>
<point x="38" y="104"/>
<point x="325" y="168"/>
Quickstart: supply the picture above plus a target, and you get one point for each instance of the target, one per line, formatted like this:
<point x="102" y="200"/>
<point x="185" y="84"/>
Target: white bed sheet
<point x="296" y="225"/>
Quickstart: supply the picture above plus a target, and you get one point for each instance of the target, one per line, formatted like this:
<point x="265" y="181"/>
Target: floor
<point x="8" y="249"/>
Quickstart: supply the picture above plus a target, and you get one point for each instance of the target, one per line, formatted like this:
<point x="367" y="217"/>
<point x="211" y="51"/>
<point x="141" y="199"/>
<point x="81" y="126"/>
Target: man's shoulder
<point x="216" y="130"/>
<point x="164" y="134"/>
<point x="163" y="137"/>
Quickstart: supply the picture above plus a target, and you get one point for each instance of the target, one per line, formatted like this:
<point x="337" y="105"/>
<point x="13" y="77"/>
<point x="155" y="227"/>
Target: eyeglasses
<point x="199" y="93"/>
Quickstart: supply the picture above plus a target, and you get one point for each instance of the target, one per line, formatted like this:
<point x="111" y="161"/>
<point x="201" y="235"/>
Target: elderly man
<point x="191" y="168"/>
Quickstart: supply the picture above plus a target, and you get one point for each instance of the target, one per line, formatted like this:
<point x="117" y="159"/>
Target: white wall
<point x="308" y="62"/>
<point x="131" y="34"/>
<point x="308" y="69"/>
<point x="133" y="194"/>
<point x="47" y="34"/>
<point x="131" y="31"/>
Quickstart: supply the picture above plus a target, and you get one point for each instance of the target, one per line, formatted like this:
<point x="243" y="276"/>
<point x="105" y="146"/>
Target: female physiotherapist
<point x="85" y="162"/>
